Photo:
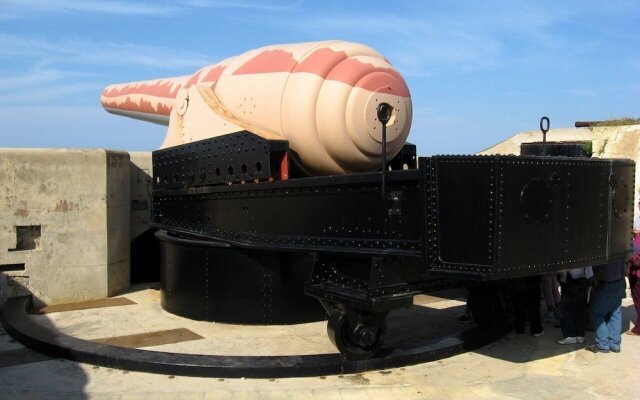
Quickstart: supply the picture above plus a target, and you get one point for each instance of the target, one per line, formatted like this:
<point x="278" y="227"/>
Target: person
<point x="573" y="307"/>
<point x="551" y="295"/>
<point x="634" y="276"/>
<point x="604" y="308"/>
<point x="527" y="306"/>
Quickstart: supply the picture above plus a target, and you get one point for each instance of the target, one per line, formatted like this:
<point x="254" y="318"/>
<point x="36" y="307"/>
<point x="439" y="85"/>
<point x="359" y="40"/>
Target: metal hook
<point x="544" y="127"/>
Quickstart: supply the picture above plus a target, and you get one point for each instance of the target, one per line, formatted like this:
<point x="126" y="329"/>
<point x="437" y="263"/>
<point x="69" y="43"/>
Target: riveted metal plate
<point x="338" y="213"/>
<point x="233" y="158"/>
<point x="500" y="217"/>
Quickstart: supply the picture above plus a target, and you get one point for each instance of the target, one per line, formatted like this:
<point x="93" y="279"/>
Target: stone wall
<point x="141" y="186"/>
<point x="64" y="223"/>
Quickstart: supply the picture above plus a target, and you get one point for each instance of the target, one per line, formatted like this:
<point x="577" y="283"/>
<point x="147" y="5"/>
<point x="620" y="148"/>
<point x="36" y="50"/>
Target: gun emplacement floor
<point x="512" y="367"/>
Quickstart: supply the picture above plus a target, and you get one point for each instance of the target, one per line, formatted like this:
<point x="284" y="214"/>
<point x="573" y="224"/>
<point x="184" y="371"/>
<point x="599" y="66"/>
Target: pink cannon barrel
<point x="321" y="97"/>
<point x="150" y="100"/>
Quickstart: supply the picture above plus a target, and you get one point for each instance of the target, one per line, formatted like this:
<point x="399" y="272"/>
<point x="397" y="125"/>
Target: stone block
<point x="65" y="215"/>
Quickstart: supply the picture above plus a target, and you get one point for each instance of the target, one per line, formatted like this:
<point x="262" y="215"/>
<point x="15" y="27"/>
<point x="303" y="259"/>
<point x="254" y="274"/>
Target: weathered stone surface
<point x="512" y="144"/>
<point x="141" y="187"/>
<point x="80" y="199"/>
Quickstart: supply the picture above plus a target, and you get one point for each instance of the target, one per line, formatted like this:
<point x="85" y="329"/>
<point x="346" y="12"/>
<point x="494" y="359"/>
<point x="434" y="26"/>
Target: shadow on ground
<point x="48" y="378"/>
<point x="525" y="348"/>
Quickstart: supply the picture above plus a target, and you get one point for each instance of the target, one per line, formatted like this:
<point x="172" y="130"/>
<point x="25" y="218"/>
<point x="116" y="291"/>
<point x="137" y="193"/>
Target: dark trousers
<point x="527" y="305"/>
<point x="573" y="308"/>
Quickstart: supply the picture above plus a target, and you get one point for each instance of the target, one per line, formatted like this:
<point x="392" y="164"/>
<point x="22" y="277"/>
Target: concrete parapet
<point x="606" y="142"/>
<point x="512" y="144"/>
<point x="64" y="223"/>
<point x="141" y="187"/>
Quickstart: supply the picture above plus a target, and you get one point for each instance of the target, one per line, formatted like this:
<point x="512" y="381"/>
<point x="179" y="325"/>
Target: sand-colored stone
<point x="80" y="199"/>
<point x="514" y="367"/>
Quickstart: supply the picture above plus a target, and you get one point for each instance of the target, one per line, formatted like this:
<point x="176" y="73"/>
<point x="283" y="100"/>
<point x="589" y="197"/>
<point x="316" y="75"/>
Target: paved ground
<point x="515" y="367"/>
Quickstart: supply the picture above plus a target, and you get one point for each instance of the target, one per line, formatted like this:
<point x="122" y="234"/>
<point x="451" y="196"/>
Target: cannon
<point x="321" y="97"/>
<point x="351" y="216"/>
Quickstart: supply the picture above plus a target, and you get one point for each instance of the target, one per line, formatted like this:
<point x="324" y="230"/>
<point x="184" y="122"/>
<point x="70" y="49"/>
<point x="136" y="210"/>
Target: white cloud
<point x="36" y="94"/>
<point x="457" y="38"/>
<point x="26" y="7"/>
<point x="103" y="53"/>
<point x="35" y="76"/>
<point x="75" y="126"/>
<point x="134" y="54"/>
<point x="11" y="46"/>
<point x="629" y="89"/>
<point x="585" y="93"/>
<point x="58" y="69"/>
<point x="6" y="16"/>
<point x="247" y="5"/>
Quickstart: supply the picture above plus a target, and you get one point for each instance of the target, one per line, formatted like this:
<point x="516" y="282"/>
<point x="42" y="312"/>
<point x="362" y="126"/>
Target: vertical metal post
<point x="384" y="115"/>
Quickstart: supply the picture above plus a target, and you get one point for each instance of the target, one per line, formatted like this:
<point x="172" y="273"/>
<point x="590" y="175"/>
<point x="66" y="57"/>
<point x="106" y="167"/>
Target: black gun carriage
<point x="244" y="233"/>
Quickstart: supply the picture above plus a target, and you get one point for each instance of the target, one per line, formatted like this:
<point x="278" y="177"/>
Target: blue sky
<point x="478" y="71"/>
